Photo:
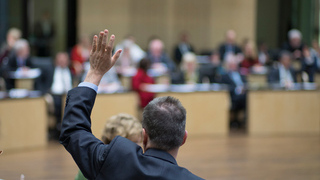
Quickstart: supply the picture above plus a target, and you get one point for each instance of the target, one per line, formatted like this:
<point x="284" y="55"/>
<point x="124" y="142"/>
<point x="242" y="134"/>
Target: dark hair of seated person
<point x="144" y="64"/>
<point x="164" y="120"/>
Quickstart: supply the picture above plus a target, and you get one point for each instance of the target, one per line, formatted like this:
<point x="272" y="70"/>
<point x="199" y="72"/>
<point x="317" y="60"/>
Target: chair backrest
<point x="45" y="64"/>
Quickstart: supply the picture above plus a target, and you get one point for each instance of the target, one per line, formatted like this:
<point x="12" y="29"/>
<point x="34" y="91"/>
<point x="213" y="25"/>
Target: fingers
<point x="116" y="56"/>
<point x="100" y="41"/>
<point x="94" y="44"/>
<point x="104" y="40"/>
<point x="110" y="44"/>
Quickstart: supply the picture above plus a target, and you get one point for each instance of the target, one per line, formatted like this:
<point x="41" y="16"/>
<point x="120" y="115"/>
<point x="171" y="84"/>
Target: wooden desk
<point x="23" y="123"/>
<point x="207" y="112"/>
<point x="257" y="79"/>
<point x="284" y="112"/>
<point x="24" y="84"/>
<point x="107" y="105"/>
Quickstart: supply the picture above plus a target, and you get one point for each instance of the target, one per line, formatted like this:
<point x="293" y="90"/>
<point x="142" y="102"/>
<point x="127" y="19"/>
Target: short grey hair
<point x="294" y="33"/>
<point x="20" y="44"/>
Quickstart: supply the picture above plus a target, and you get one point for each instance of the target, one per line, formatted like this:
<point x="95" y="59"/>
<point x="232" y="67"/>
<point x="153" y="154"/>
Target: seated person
<point x="213" y="71"/>
<point x="250" y="58"/>
<point x="123" y="125"/>
<point x="309" y="63"/>
<point x="109" y="83"/>
<point x="61" y="84"/>
<point x="188" y="73"/>
<point x="79" y="55"/>
<point x="130" y="56"/>
<point x="141" y="79"/>
<point x="295" y="44"/>
<point x="182" y="48"/>
<point x="20" y="61"/>
<point x="160" y="61"/>
<point x="229" y="46"/>
<point x="283" y="74"/>
<point x="237" y="89"/>
<point x="7" y="48"/>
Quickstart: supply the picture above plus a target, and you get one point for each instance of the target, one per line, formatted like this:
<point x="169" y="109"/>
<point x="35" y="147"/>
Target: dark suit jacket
<point x="274" y="75"/>
<point x="12" y="64"/>
<point x="165" y="59"/>
<point x="178" y="54"/>
<point x="222" y="50"/>
<point x="238" y="100"/>
<point x="121" y="159"/>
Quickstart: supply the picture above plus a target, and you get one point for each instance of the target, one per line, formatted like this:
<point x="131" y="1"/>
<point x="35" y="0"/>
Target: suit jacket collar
<point x="160" y="154"/>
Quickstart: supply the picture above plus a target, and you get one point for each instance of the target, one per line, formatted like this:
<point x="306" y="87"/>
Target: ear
<point x="145" y="138"/>
<point x="184" y="137"/>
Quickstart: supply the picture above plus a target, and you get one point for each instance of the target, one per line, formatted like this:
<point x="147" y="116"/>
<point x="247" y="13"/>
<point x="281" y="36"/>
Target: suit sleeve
<point x="88" y="152"/>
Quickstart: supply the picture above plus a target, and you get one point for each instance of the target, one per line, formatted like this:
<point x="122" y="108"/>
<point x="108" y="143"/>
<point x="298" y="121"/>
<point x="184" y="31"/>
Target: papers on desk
<point x="156" y="88"/>
<point x="25" y="73"/>
<point x="184" y="88"/>
<point x="23" y="93"/>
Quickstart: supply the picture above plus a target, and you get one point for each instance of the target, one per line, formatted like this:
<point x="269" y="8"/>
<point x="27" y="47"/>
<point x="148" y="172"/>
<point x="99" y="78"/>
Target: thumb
<point x="116" y="56"/>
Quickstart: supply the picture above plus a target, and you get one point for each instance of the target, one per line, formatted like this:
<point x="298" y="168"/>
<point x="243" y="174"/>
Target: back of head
<point x="123" y="125"/>
<point x="164" y="120"/>
<point x="144" y="64"/>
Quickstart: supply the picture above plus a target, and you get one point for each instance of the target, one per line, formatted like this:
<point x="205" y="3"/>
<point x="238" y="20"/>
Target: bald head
<point x="156" y="47"/>
<point x="231" y="36"/>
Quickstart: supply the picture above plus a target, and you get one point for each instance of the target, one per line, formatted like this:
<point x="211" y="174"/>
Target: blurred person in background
<point x="212" y="72"/>
<point x="229" y="46"/>
<point x="237" y="89"/>
<point x="316" y="50"/>
<point x="109" y="83"/>
<point x="6" y="49"/>
<point x="20" y="61"/>
<point x="130" y="56"/>
<point x="160" y="60"/>
<point x="182" y="48"/>
<point x="44" y="35"/>
<point x="79" y="55"/>
<point x="295" y="44"/>
<point x="61" y="84"/>
<point x="309" y="64"/>
<point x="250" y="58"/>
<point x="263" y="54"/>
<point x="189" y="68"/>
<point x="140" y="80"/>
<point x="283" y="74"/>
<point x="123" y="125"/>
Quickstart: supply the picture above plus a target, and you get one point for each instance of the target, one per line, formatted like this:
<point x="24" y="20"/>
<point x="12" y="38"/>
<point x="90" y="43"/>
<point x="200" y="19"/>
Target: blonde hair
<point x="123" y="125"/>
<point x="15" y="32"/>
<point x="188" y="57"/>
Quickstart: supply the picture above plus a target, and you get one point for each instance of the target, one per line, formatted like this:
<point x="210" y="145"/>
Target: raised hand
<point x="101" y="59"/>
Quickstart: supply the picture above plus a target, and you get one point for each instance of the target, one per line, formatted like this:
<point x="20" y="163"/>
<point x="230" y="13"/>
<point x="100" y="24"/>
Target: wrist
<point x="93" y="77"/>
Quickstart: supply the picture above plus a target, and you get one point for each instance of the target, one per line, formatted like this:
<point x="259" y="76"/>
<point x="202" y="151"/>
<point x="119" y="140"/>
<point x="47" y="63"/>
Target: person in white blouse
<point x="61" y="84"/>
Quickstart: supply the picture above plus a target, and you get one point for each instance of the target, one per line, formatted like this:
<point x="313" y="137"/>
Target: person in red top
<point x="250" y="58"/>
<point x="141" y="79"/>
<point x="80" y="54"/>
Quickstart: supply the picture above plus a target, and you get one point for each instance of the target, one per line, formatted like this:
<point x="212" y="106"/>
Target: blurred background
<point x="247" y="71"/>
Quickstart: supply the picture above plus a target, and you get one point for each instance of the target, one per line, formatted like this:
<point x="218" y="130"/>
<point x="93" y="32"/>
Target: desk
<point x="107" y="105"/>
<point x="207" y="112"/>
<point x="23" y="123"/>
<point x="24" y="84"/>
<point x="284" y="112"/>
<point x="257" y="79"/>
